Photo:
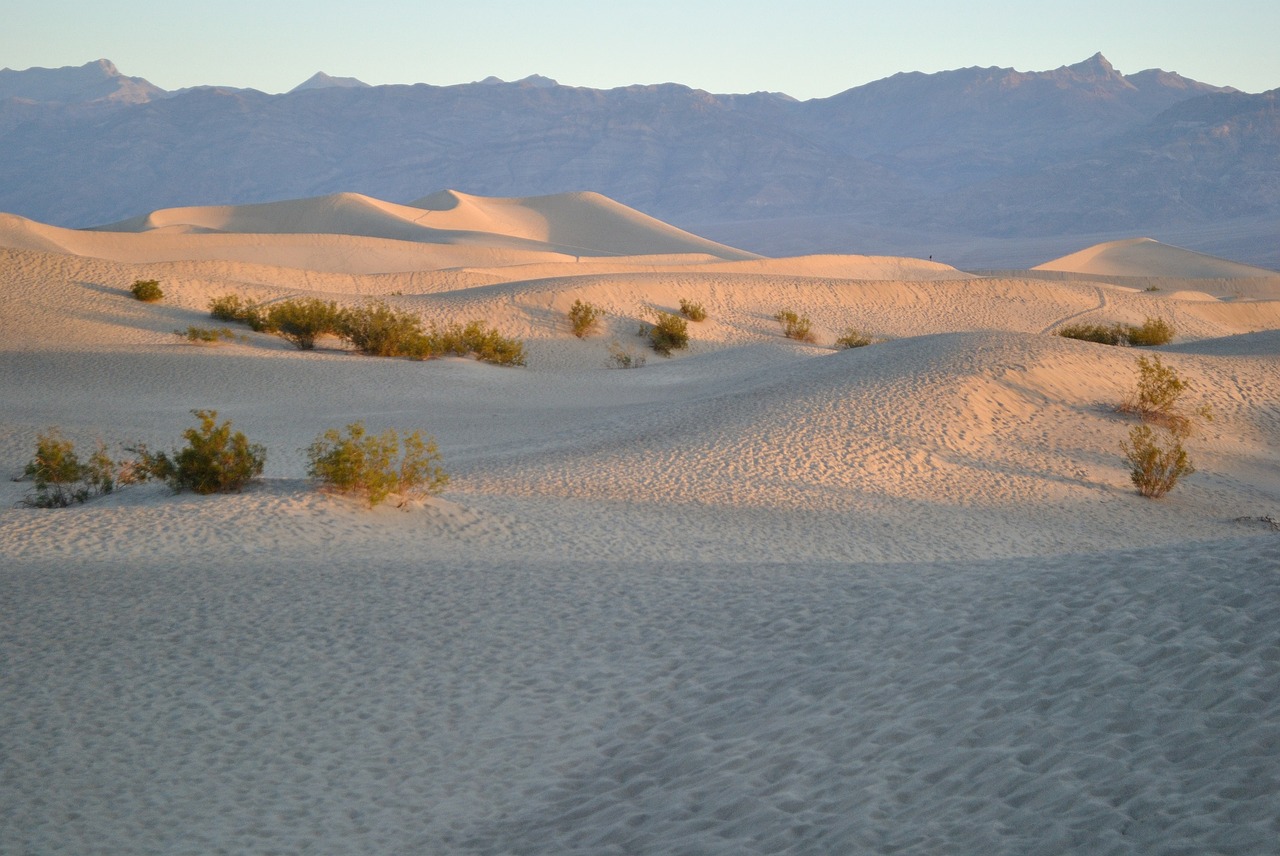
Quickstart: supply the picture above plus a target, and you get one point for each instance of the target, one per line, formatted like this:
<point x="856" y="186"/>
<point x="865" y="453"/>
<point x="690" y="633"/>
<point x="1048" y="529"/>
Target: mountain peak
<point x="98" y="81"/>
<point x="320" y="80"/>
<point x="1095" y="67"/>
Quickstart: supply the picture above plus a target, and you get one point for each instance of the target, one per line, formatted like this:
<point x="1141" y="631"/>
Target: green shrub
<point x="795" y="326"/>
<point x="1102" y="334"/>
<point x="1155" y="464"/>
<point x="232" y="307"/>
<point x="373" y="466"/>
<point x="1154" y="331"/>
<point x="853" y="338"/>
<point x="60" y="478"/>
<point x="377" y="330"/>
<point x="147" y="290"/>
<point x="303" y="321"/>
<point x="692" y="311"/>
<point x="206" y="335"/>
<point x="1156" y="396"/>
<point x="622" y="358"/>
<point x="584" y="318"/>
<point x="485" y="343"/>
<point x="668" y="333"/>
<point x="213" y="461"/>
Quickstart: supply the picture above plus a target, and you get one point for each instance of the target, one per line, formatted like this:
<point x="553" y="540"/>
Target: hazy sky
<point x="807" y="48"/>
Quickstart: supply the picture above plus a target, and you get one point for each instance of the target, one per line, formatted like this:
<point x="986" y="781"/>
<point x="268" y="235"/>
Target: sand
<point x="761" y="597"/>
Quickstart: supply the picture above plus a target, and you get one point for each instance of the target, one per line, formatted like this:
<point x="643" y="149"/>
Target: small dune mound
<point x="1145" y="257"/>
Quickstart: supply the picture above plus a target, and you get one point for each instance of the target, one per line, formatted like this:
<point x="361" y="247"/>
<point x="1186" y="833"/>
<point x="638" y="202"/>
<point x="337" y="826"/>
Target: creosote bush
<point x="233" y="307"/>
<point x="206" y="335"/>
<point x="1157" y="396"/>
<point x="374" y="329"/>
<point x="622" y="358"/>
<point x="1102" y="334"/>
<point x="1153" y="331"/>
<point x="214" y="460"/>
<point x="1155" y="463"/>
<point x="373" y="466"/>
<point x="147" y="290"/>
<point x="795" y="326"/>
<point x="853" y="338"/>
<point x="1156" y="458"/>
<point x="59" y="476"/>
<point x="668" y="333"/>
<point x="584" y="318"/>
<point x="692" y="311"/>
<point x="303" y="321"/>
<point x="378" y="330"/>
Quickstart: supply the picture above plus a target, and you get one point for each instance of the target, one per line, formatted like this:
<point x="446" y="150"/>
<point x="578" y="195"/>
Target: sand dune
<point x="1144" y="257"/>
<point x="761" y="597"/>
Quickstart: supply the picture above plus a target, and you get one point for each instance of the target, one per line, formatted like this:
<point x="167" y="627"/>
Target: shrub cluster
<point x="622" y="358"/>
<point x="303" y="321"/>
<point x="214" y="460"/>
<point x="853" y="338"/>
<point x="147" y="290"/>
<point x="373" y="466"/>
<point x="584" y="318"/>
<point x="1157" y="459"/>
<point x="1155" y="463"/>
<point x="692" y="311"/>
<point x="374" y="329"/>
<point x="206" y="335"/>
<point x="668" y="333"/>
<point x="795" y="326"/>
<point x="61" y="478"/>
<point x="232" y="307"/>
<point x="1152" y="331"/>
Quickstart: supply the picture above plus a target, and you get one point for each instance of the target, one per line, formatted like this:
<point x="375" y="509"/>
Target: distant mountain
<point x="973" y="158"/>
<point x="97" y="81"/>
<point x="320" y="80"/>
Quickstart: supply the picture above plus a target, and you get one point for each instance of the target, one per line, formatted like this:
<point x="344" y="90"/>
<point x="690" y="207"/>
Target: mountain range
<point x="980" y="166"/>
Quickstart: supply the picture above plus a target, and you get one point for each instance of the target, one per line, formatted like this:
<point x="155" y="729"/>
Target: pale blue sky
<point x="808" y="49"/>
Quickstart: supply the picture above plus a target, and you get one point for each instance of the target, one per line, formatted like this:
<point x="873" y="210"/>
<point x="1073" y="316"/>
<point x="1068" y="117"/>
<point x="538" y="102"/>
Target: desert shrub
<point x="584" y="318"/>
<point x="303" y="321"/>
<point x="59" y="476"/>
<point x="1154" y="331"/>
<point x="853" y="338"/>
<point x="147" y="290"/>
<point x="622" y="358"/>
<point x="668" y="333"/>
<point x="1102" y="334"/>
<point x="795" y="326"/>
<point x="1155" y="397"/>
<point x="213" y="461"/>
<point x="692" y="311"/>
<point x="380" y="331"/>
<point x="1155" y="463"/>
<point x="206" y="335"/>
<point x="232" y="307"/>
<point x="373" y="466"/>
<point x="485" y="343"/>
